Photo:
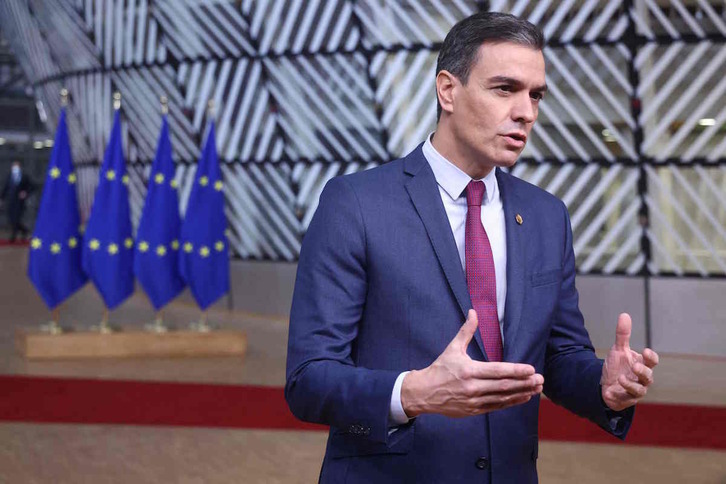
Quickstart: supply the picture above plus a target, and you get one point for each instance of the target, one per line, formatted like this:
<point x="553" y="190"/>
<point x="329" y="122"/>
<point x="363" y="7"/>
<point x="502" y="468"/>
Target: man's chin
<point x="508" y="161"/>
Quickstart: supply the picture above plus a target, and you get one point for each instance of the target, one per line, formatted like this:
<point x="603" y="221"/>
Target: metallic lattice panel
<point x="688" y="219"/>
<point x="675" y="101"/>
<point x="631" y="134"/>
<point x="603" y="203"/>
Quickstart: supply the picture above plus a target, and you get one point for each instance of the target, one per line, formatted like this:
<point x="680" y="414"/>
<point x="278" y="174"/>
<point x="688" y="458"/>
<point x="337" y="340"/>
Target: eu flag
<point x="54" y="264"/>
<point x="108" y="248"/>
<point x="156" y="262"/>
<point x="204" y="256"/>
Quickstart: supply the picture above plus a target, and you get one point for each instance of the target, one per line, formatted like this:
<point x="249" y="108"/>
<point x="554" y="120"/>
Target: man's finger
<point x="622" y="332"/>
<point x="634" y="389"/>
<point x="466" y="332"/>
<point x="489" y="403"/>
<point x="507" y="386"/>
<point x="498" y="369"/>
<point x="644" y="374"/>
<point x="650" y="358"/>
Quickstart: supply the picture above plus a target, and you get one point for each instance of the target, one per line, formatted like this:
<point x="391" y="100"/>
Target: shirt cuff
<point x="396" y="415"/>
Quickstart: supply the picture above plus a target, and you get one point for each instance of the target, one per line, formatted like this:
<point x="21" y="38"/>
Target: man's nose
<point x="524" y="109"/>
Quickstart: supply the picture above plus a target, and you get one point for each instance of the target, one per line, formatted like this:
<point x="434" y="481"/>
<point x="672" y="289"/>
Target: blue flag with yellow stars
<point x="204" y="256"/>
<point x="156" y="262"/>
<point x="54" y="264"/>
<point x="108" y="247"/>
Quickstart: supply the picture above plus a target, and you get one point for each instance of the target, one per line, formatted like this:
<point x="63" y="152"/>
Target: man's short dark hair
<point x="460" y="49"/>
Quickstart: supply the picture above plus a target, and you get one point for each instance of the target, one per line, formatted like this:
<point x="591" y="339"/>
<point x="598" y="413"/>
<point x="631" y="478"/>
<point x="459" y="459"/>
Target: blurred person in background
<point x="15" y="193"/>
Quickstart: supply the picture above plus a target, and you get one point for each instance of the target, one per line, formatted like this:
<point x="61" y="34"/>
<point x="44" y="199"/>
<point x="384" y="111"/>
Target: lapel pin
<point x="519" y="220"/>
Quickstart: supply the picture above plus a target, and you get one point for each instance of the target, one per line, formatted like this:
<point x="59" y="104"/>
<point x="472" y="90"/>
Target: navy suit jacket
<point x="380" y="290"/>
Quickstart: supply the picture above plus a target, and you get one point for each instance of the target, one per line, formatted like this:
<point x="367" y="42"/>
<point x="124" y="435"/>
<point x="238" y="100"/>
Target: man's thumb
<point x="622" y="332"/>
<point x="466" y="333"/>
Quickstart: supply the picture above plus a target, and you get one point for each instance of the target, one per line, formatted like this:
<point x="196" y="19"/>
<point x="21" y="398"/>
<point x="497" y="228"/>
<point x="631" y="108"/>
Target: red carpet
<point x="84" y="401"/>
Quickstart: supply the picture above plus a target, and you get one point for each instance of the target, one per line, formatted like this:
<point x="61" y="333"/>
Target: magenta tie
<point x="480" y="276"/>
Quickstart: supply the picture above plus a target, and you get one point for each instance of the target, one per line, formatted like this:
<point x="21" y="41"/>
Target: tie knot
<point x="475" y="193"/>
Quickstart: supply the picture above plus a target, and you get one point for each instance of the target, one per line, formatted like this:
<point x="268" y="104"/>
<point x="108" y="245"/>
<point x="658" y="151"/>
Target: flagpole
<point x="203" y="326"/>
<point x="53" y="326"/>
<point x="103" y="327"/>
<point x="158" y="325"/>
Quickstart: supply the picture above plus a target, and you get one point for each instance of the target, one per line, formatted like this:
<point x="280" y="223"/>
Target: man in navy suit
<point x="398" y="257"/>
<point x="15" y="193"/>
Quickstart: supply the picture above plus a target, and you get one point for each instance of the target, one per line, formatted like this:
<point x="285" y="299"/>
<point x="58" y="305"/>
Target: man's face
<point x="494" y="112"/>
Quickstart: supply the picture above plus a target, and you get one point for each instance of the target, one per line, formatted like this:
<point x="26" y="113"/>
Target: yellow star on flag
<point x="188" y="247"/>
<point x="174" y="184"/>
<point x="204" y="251"/>
<point x="112" y="249"/>
<point x="219" y="246"/>
<point x="55" y="248"/>
<point x="161" y="251"/>
<point x="125" y="179"/>
<point x="72" y="178"/>
<point x="94" y="244"/>
<point x="129" y="242"/>
<point x="159" y="178"/>
<point x="218" y="185"/>
<point x="54" y="172"/>
<point x="175" y="244"/>
<point x="203" y="181"/>
<point x="72" y="242"/>
<point x="110" y="175"/>
<point x="36" y="243"/>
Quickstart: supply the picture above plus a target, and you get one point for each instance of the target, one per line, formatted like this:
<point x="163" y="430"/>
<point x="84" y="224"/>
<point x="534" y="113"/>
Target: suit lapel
<point x="424" y="193"/>
<point x="516" y="261"/>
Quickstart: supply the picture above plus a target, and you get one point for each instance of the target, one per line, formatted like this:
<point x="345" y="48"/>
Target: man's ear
<point x="445" y="84"/>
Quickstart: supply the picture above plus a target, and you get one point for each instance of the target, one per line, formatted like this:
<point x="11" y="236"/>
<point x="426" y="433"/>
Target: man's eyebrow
<point x="515" y="82"/>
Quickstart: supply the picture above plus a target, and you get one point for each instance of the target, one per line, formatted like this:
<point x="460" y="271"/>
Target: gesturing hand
<point x="626" y="374"/>
<point x="457" y="386"/>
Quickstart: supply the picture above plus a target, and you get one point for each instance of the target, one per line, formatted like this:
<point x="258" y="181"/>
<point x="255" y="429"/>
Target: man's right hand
<point x="457" y="386"/>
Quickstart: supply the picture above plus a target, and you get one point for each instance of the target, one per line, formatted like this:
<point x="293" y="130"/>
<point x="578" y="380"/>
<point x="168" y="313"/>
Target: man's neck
<point x="449" y="149"/>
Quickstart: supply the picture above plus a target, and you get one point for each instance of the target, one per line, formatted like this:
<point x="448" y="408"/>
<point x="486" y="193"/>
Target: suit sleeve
<point x="324" y="385"/>
<point x="572" y="370"/>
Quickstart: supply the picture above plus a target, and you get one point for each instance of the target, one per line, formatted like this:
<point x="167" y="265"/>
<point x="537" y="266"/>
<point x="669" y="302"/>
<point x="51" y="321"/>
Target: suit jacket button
<point x="482" y="463"/>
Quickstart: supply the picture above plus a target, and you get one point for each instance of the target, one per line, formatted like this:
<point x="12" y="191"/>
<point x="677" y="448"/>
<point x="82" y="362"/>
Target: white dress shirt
<point x="452" y="184"/>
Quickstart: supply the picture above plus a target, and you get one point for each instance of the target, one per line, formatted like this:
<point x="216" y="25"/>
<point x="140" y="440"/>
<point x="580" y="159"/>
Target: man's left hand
<point x="626" y="374"/>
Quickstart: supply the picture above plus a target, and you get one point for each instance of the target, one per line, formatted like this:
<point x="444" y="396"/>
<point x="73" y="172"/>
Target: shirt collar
<point x="451" y="178"/>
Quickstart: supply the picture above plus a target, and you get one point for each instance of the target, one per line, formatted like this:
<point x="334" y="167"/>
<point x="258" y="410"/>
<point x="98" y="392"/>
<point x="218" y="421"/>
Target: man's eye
<point x="505" y="88"/>
<point x="537" y="96"/>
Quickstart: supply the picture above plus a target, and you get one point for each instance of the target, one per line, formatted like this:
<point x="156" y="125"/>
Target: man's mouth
<point x="516" y="139"/>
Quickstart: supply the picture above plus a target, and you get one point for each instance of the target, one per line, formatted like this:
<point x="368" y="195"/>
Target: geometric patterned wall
<point x="630" y="136"/>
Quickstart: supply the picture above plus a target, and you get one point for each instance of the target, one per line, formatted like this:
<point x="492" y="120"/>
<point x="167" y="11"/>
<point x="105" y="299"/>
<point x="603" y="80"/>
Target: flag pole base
<point x="103" y="327"/>
<point x="51" y="327"/>
<point x="201" y="326"/>
<point x="158" y="326"/>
